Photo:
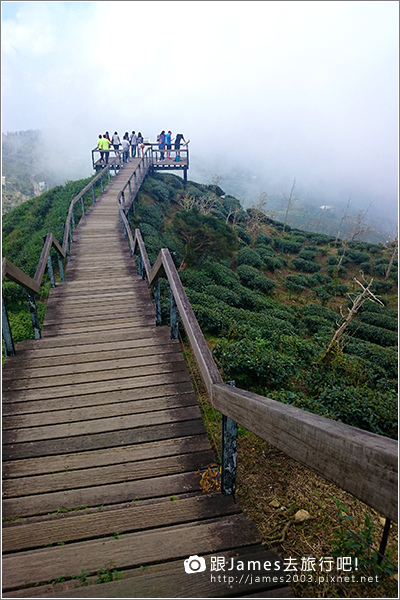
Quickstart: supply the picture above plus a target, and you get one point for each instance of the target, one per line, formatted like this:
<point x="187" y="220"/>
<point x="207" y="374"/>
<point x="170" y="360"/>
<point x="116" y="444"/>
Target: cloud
<point x="288" y="89"/>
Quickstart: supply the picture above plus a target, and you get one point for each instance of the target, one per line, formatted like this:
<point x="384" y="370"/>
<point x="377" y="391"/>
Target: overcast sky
<point x="305" y="90"/>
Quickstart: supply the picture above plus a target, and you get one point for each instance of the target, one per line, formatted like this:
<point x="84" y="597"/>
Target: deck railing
<point x="359" y="462"/>
<point x="153" y="152"/>
<point x="32" y="285"/>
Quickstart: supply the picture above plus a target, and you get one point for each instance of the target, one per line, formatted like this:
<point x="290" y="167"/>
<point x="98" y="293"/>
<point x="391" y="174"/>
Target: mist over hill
<point x="35" y="160"/>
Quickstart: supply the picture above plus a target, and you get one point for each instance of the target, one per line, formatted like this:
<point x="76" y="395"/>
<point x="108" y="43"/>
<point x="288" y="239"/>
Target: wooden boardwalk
<point x="103" y="442"/>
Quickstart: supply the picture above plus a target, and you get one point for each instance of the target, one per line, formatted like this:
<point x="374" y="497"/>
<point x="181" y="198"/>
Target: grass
<point x="271" y="488"/>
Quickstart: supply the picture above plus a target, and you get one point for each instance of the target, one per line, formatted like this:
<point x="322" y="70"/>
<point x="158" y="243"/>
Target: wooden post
<point x="7" y="336"/>
<point x="173" y="319"/>
<point x="229" y="454"/>
<point x="34" y="315"/>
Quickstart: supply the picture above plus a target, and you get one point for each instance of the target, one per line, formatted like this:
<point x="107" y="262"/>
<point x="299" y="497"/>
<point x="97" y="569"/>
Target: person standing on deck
<point x="168" y="141"/>
<point x="106" y="147"/>
<point x="134" y="142"/>
<point x="100" y="147"/>
<point x="140" y="144"/>
<point x="125" y="148"/>
<point x="179" y="138"/>
<point x="116" y="142"/>
<point x="161" y="144"/>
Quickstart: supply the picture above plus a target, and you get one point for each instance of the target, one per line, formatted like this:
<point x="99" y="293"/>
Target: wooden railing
<point x="32" y="285"/>
<point x="153" y="152"/>
<point x="362" y="463"/>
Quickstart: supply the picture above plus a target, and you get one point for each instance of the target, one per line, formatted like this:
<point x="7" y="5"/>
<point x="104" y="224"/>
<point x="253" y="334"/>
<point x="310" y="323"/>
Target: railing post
<point x="34" y="315"/>
<point x="83" y="206"/>
<point x="93" y="194"/>
<point x="101" y="183"/>
<point x="157" y="302"/>
<point x="229" y="454"/>
<point x="7" y="336"/>
<point x="130" y="192"/>
<point x="50" y="272"/>
<point x="72" y="218"/>
<point x="139" y="264"/>
<point x="60" y="267"/>
<point x="123" y="201"/>
<point x="173" y="318"/>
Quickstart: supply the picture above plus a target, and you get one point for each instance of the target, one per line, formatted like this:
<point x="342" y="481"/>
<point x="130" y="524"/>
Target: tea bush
<point x="247" y="256"/>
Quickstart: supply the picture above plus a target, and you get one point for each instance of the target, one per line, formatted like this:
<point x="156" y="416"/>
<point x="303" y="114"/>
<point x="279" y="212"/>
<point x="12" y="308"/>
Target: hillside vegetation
<point x="267" y="297"/>
<point x="23" y="232"/>
<point x="269" y="302"/>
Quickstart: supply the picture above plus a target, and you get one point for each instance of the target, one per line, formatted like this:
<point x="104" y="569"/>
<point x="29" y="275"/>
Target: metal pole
<point x="173" y="319"/>
<point x="7" y="336"/>
<point x="34" y="315"/>
<point x="229" y="454"/>
<point x="50" y="272"/>
<point x="384" y="540"/>
<point x="157" y="302"/>
<point x="83" y="206"/>
<point x="61" y="267"/>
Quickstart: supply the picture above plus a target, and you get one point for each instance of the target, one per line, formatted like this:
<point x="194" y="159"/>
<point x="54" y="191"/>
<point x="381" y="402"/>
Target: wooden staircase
<point x="104" y="445"/>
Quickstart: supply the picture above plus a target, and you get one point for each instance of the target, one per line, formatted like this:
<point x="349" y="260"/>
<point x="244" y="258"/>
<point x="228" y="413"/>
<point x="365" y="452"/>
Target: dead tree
<point x="290" y="201"/>
<point x="342" y="220"/>
<point x="393" y="256"/>
<point x="357" y="301"/>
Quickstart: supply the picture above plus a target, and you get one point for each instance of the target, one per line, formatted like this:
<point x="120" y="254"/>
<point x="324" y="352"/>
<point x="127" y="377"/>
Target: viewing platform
<point x="174" y="160"/>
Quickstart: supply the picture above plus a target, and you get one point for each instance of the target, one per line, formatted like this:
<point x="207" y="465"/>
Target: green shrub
<point x="287" y="247"/>
<point x="247" y="256"/>
<point x="371" y="333"/>
<point x="254" y="364"/>
<point x="308" y="255"/>
<point x="263" y="239"/>
<point x="305" y="266"/>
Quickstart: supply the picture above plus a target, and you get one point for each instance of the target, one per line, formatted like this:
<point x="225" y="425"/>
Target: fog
<point x="276" y="90"/>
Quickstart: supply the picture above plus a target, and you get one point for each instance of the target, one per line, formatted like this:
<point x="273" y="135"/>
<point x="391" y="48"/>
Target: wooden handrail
<point x="361" y="463"/>
<point x="75" y="200"/>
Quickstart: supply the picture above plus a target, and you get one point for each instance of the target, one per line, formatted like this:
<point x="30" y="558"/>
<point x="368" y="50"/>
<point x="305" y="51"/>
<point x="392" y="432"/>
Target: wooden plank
<point x="104" y="457"/>
<point x="360" y="462"/>
<point x="104" y="324"/>
<point x="40" y="504"/>
<point x="90" y="367"/>
<point x="49" y="432"/>
<point x="108" y="439"/>
<point x="136" y="516"/>
<point x="165" y="390"/>
<point x="106" y="411"/>
<point x="167" y="580"/>
<point x="135" y="549"/>
<point x="109" y="474"/>
<point x="90" y="338"/>
<point x="104" y="376"/>
<point x="29" y="349"/>
<point x="20" y="360"/>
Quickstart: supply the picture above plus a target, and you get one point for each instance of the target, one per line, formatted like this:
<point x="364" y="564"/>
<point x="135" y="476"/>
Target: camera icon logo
<point x="194" y="564"/>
